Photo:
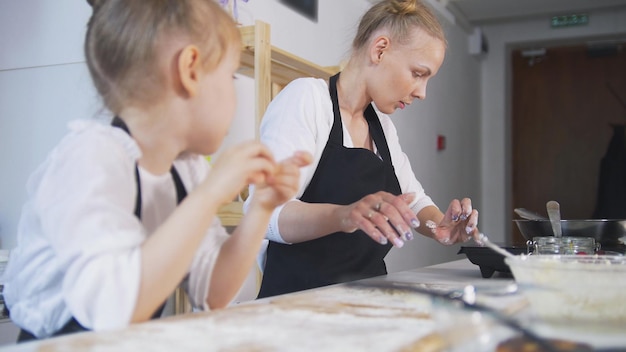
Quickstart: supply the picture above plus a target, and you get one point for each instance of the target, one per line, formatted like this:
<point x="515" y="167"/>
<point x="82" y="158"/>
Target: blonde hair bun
<point x="403" y="7"/>
<point x="399" y="17"/>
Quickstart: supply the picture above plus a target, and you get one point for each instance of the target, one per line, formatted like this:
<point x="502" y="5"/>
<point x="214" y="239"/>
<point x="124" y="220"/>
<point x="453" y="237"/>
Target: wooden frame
<point x="272" y="69"/>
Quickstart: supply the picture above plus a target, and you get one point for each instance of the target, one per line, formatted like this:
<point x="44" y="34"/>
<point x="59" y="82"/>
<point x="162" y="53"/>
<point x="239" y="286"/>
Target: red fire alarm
<point x="441" y="142"/>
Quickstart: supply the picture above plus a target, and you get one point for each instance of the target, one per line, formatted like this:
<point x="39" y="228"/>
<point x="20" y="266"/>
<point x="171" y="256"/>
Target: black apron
<point x="73" y="325"/>
<point x="343" y="176"/>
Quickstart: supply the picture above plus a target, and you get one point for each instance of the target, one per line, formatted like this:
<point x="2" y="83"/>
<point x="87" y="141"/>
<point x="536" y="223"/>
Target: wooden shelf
<point x="272" y="69"/>
<point x="231" y="213"/>
<point x="285" y="67"/>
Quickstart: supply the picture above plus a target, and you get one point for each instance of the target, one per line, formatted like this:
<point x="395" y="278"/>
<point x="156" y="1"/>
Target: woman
<point x="359" y="196"/>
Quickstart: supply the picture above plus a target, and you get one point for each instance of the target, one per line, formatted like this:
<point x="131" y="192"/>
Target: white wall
<point x="496" y="210"/>
<point x="44" y="83"/>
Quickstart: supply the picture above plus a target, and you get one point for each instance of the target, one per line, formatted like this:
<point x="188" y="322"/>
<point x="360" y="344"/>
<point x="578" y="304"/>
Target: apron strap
<point x="117" y="122"/>
<point x="336" y="131"/>
<point x="375" y="128"/>
<point x="377" y="133"/>
<point x="181" y="193"/>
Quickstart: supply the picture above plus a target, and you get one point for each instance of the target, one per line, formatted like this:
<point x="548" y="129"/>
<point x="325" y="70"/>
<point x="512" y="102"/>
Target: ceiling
<point x="478" y="12"/>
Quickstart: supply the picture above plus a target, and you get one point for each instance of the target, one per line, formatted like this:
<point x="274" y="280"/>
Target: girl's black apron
<point x="73" y="325"/>
<point x="343" y="176"/>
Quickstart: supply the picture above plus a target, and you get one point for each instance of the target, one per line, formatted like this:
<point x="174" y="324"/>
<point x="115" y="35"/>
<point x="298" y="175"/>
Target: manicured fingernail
<point x="383" y="240"/>
<point x="469" y="229"/>
<point x="398" y="242"/>
<point x="408" y="195"/>
<point x="463" y="217"/>
<point x="455" y="218"/>
<point x="431" y="224"/>
<point x="408" y="236"/>
<point x="415" y="223"/>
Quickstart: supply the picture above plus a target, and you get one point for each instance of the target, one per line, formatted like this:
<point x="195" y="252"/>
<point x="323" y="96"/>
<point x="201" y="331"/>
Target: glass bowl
<point x="573" y="288"/>
<point x="563" y="245"/>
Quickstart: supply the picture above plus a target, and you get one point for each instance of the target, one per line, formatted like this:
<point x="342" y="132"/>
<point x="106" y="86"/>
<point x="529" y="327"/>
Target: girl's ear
<point x="189" y="69"/>
<point x="378" y="48"/>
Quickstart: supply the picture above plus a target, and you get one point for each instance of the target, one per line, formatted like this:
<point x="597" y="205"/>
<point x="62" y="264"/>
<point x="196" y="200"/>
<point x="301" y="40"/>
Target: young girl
<point x="106" y="236"/>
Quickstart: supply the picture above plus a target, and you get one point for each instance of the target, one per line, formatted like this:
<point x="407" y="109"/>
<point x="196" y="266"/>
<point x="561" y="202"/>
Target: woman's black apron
<point x="343" y="176"/>
<point x="73" y="325"/>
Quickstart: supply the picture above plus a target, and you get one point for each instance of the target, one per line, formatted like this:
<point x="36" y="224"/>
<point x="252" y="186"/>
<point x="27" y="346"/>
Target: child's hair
<point x="124" y="36"/>
<point x="399" y="16"/>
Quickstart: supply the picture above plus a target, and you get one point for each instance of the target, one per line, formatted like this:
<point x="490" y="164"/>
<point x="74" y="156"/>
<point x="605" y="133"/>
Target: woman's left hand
<point x="459" y="223"/>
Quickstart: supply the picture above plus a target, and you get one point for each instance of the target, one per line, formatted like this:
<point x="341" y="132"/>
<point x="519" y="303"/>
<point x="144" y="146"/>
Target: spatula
<point x="554" y="214"/>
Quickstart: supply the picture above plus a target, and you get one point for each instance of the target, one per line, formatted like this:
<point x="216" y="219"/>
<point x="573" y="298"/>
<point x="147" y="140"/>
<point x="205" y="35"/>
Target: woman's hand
<point x="282" y="185"/>
<point x="459" y="223"/>
<point x="382" y="216"/>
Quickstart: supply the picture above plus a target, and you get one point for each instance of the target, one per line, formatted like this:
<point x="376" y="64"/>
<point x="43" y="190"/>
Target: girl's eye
<point x="417" y="74"/>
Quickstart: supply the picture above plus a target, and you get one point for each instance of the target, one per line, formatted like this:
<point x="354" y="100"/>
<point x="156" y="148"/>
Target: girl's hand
<point x="282" y="185"/>
<point x="236" y="167"/>
<point x="382" y="216"/>
<point x="459" y="223"/>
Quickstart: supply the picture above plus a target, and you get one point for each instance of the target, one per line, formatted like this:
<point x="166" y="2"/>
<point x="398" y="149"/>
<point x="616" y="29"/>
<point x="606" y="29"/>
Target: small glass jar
<point x="563" y="245"/>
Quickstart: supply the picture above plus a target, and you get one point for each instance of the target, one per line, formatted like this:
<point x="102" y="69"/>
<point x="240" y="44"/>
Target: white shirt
<point x="301" y="117"/>
<point x="79" y="242"/>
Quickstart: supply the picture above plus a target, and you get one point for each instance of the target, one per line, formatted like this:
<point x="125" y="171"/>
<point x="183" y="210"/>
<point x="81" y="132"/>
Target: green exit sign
<point x="570" y="20"/>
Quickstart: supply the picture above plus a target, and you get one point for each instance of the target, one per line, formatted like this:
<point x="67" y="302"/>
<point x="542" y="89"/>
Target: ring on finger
<point x="377" y="206"/>
<point x="369" y="215"/>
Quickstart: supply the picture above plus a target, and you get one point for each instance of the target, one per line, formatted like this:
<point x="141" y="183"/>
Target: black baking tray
<point x="489" y="260"/>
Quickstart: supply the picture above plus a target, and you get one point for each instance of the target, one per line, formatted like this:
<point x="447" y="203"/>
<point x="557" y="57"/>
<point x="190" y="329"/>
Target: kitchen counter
<point x="368" y="315"/>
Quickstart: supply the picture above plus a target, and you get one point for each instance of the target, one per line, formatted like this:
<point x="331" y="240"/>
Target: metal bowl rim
<point x="570" y="262"/>
<point x="571" y="220"/>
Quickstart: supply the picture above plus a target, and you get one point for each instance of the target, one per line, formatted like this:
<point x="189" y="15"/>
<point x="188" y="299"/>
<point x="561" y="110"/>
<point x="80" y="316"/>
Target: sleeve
<point x="86" y="201"/>
<point x="298" y="119"/>
<point x="203" y="262"/>
<point x="402" y="165"/>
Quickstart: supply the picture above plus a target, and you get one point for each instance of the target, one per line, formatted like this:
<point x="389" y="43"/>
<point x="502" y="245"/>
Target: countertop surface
<point x="378" y="314"/>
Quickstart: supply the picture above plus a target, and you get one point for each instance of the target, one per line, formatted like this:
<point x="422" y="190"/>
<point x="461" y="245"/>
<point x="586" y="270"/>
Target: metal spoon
<point x="554" y="214"/>
<point x="484" y="241"/>
<point x="528" y="214"/>
<point x="467" y="299"/>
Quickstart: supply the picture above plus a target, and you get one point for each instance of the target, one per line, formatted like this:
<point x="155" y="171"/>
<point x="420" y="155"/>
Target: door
<point x="563" y="106"/>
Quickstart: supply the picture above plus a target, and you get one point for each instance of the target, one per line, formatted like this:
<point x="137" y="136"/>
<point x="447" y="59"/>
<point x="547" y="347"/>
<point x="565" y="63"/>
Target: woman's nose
<point x="420" y="91"/>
